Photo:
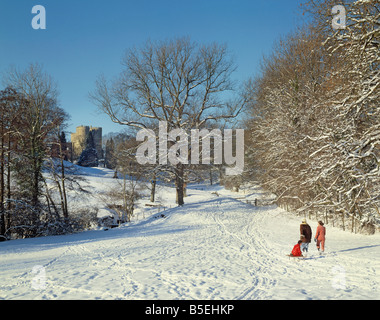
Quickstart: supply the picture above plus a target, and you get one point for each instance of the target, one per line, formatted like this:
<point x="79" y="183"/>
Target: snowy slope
<point x="215" y="247"/>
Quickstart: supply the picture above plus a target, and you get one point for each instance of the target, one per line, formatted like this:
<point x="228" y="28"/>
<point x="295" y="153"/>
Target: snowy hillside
<point x="215" y="247"/>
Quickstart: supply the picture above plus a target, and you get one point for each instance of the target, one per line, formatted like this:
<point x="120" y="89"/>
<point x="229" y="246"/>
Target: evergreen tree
<point x="110" y="154"/>
<point x="63" y="145"/>
<point x="89" y="156"/>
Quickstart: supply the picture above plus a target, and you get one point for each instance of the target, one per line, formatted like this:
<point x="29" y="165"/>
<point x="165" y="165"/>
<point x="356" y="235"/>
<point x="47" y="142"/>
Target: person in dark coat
<point x="307" y="234"/>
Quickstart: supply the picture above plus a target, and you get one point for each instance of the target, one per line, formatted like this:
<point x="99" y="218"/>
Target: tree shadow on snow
<point x="358" y="248"/>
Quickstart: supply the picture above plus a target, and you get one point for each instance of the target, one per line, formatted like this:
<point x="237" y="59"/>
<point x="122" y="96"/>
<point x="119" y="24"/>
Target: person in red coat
<point x="296" y="252"/>
<point x="320" y="236"/>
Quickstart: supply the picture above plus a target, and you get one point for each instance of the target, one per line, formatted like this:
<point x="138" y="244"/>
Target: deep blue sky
<point x="87" y="37"/>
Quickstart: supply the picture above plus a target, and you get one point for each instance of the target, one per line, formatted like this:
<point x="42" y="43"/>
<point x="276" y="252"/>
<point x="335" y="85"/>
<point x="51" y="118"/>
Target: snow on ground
<point x="215" y="247"/>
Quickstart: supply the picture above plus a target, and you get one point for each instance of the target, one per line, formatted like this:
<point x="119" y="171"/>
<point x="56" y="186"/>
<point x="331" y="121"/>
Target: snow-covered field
<point x="215" y="247"/>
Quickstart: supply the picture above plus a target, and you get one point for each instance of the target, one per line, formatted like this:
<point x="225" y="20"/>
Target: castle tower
<point x="78" y="140"/>
<point x="97" y="134"/>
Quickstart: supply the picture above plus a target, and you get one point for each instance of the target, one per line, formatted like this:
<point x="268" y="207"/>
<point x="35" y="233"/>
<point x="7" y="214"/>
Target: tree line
<point x="32" y="150"/>
<point x="314" y="117"/>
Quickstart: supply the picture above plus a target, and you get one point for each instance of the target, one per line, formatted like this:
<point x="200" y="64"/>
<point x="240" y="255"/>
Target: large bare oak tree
<point x="177" y="81"/>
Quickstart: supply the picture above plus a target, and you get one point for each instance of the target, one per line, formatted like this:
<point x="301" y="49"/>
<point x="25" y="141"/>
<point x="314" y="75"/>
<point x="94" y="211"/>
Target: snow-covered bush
<point x="26" y="221"/>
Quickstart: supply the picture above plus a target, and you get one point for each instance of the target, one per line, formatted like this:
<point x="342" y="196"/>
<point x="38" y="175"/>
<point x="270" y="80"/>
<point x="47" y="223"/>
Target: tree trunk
<point x="221" y="176"/>
<point x="2" y="189"/>
<point x="153" y="190"/>
<point x="65" y="209"/>
<point x="125" y="207"/>
<point x="36" y="180"/>
<point x="9" y="181"/>
<point x="48" y="196"/>
<point x="179" y="184"/>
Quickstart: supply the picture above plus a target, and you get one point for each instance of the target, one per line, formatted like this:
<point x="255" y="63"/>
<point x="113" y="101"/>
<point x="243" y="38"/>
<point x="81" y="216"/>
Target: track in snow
<point x="212" y="248"/>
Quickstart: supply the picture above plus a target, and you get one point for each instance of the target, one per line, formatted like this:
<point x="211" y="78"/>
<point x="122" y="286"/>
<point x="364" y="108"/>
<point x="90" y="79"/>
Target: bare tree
<point x="176" y="81"/>
<point x="11" y="105"/>
<point x="40" y="116"/>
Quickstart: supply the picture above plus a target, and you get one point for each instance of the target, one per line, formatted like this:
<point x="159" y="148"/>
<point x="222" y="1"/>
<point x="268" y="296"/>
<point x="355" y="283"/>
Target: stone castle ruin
<point x="80" y="137"/>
